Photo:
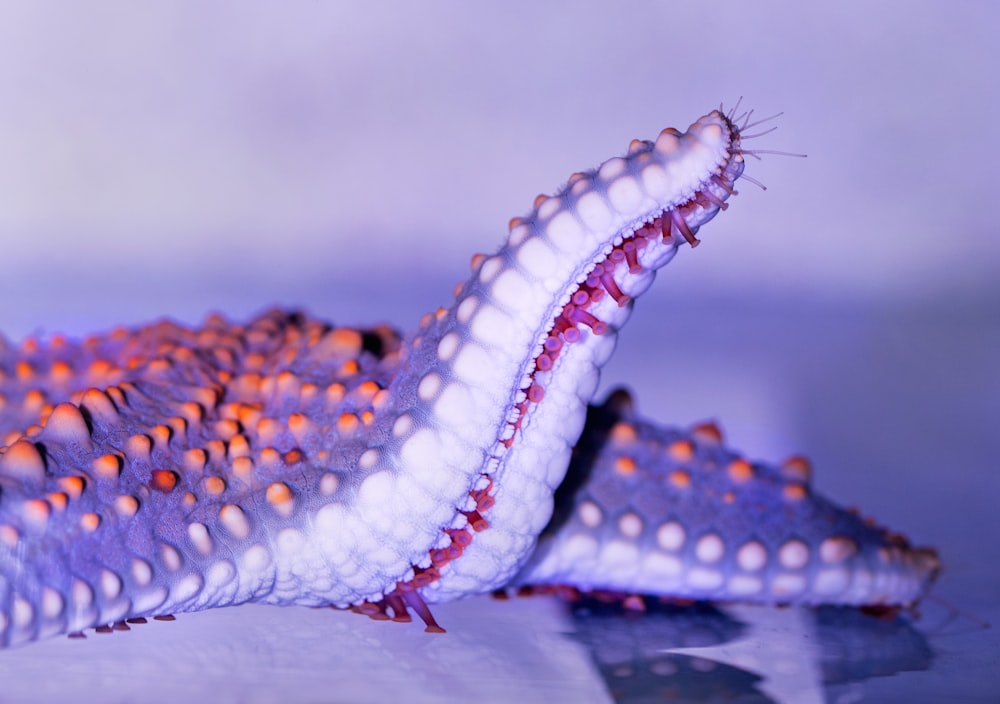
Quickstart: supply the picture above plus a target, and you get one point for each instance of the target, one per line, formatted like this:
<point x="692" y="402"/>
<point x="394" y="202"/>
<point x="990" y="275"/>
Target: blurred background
<point x="179" y="157"/>
<point x="349" y="158"/>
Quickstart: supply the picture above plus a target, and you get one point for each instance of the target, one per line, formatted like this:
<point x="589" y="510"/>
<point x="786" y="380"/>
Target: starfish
<point x="166" y="469"/>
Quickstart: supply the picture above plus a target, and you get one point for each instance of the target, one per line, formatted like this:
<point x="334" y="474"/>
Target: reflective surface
<point x="746" y="654"/>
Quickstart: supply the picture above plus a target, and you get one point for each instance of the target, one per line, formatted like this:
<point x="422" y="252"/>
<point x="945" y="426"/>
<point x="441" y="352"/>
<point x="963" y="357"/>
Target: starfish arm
<point x="511" y="367"/>
<point x="671" y="512"/>
<point x="168" y="469"/>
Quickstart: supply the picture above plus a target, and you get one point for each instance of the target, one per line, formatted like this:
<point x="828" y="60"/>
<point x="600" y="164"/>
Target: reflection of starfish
<point x="286" y="461"/>
<point x="740" y="652"/>
<point x="779" y="646"/>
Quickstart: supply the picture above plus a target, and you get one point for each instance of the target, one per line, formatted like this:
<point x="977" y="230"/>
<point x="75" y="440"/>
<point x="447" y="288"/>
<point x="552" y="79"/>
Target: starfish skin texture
<point x="166" y="469"/>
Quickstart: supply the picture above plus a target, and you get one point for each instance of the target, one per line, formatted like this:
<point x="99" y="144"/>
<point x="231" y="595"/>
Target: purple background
<point x="349" y="158"/>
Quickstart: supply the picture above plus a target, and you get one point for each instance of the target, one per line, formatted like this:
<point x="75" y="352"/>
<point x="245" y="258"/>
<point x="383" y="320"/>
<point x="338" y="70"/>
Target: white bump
<point x="220" y="574"/>
<point x="617" y="555"/>
<point x="111" y="584"/>
<point x="126" y="505"/>
<point x="537" y="258"/>
<point x="200" y="538"/>
<point x="593" y="211"/>
<point x="116" y="611"/>
<point x="490" y="268"/>
<point x="612" y="168"/>
<point x="706" y="579"/>
<point x="187" y="587"/>
<point x="511" y="289"/>
<point x="581" y="185"/>
<point x="671" y="536"/>
<point x="590" y="514"/>
<point x="579" y="547"/>
<point x="448" y="345"/>
<point x="290" y="540"/>
<point x="423" y="448"/>
<point x="519" y="234"/>
<point x="22" y="612"/>
<point x="831" y="581"/>
<point x="836" y="549"/>
<point x="663" y="668"/>
<point x="52" y="603"/>
<point x="668" y="142"/>
<point x="788" y="585"/>
<point x="662" y="565"/>
<point x="709" y="548"/>
<point x="466" y="309"/>
<point x="565" y="232"/>
<point x="625" y="195"/>
<point x="368" y="459"/>
<point x="256" y="559"/>
<point x="473" y="363"/>
<point x="429" y="385"/>
<point x="793" y="555"/>
<point x="549" y="206"/>
<point x="655" y="182"/>
<point x="752" y="556"/>
<point x="330" y="522"/>
<point x="82" y="594"/>
<point x="630" y="525"/>
<point x="328" y="484"/>
<point x="402" y="425"/>
<point x="374" y="492"/>
<point x="142" y="572"/>
<point x="149" y="600"/>
<point x="171" y="557"/>
<point x="744" y="585"/>
<point x="492" y="327"/>
<point x="454" y="407"/>
<point x="235" y="521"/>
<point x="709" y="134"/>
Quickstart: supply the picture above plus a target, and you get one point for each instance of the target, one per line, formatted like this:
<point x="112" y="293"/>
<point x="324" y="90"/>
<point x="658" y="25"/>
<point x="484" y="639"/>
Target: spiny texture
<point x="652" y="510"/>
<point x="287" y="461"/>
